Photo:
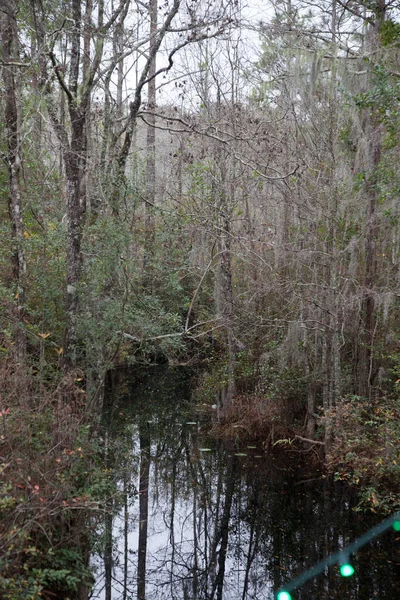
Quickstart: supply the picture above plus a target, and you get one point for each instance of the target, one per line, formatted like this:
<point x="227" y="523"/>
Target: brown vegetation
<point x="45" y="458"/>
<point x="250" y="418"/>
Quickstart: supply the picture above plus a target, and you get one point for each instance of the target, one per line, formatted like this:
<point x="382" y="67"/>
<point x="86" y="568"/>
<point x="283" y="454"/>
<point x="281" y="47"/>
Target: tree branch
<point x="60" y="78"/>
<point x="303" y="439"/>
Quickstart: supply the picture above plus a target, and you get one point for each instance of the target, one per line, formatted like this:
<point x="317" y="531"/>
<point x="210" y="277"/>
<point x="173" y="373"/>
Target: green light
<point x="284" y="596"/>
<point x="396" y="525"/>
<point x="346" y="570"/>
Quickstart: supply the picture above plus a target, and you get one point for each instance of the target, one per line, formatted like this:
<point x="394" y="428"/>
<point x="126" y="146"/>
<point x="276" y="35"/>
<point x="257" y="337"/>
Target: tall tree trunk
<point x="74" y="158"/>
<point x="9" y="46"/>
<point x="150" y="149"/>
<point x="135" y="105"/>
<point x="73" y="169"/>
<point x="73" y="151"/>
<point x="372" y="132"/>
<point x="224" y="302"/>
<point x="74" y="142"/>
<point x="223" y="280"/>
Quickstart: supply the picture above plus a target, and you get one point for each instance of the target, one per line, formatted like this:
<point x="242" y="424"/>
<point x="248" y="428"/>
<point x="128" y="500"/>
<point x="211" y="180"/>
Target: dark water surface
<point x="199" y="520"/>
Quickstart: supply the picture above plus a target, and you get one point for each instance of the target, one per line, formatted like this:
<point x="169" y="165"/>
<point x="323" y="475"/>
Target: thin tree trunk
<point x="223" y="281"/>
<point x="9" y="46"/>
<point x="311" y="385"/>
<point x="143" y="79"/>
<point x="73" y="146"/>
<point x="150" y="151"/>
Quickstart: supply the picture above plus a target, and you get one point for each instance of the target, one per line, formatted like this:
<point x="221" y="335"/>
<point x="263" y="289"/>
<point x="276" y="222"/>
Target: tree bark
<point x="150" y="149"/>
<point x="143" y="80"/>
<point x="9" y="47"/>
<point x="74" y="142"/>
<point x="372" y="132"/>
<point x="223" y="279"/>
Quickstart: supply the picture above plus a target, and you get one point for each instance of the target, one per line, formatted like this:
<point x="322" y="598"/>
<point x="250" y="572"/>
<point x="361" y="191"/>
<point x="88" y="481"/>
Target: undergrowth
<point x="250" y="417"/>
<point x="365" y="451"/>
<point x="48" y="503"/>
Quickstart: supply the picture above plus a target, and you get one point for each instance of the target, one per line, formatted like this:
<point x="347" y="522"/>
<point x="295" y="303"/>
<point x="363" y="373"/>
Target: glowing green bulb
<point x="284" y="596"/>
<point x="346" y="570"/>
<point x="396" y="525"/>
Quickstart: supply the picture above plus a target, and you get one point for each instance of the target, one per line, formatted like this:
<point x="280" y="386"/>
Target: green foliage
<point x="118" y="297"/>
<point x="200" y="184"/>
<point x="65" y="573"/>
<point x="213" y="379"/>
<point x="46" y="468"/>
<point x="364" y="450"/>
<point x="20" y="588"/>
<point x="346" y="137"/>
<point x="382" y="100"/>
<point x="389" y="33"/>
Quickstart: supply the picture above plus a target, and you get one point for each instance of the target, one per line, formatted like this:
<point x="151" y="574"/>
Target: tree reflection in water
<point x="207" y="524"/>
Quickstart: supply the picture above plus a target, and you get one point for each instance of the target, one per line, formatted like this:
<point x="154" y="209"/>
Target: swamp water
<point x="201" y="520"/>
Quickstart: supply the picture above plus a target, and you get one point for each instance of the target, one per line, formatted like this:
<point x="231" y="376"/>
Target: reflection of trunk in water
<point x="225" y="527"/>
<point x="126" y="531"/>
<point x="108" y="534"/>
<point x="191" y="583"/>
<point x="202" y="507"/>
<point x="195" y="569"/>
<point x="200" y="524"/>
<point x="144" y="438"/>
<point x="214" y="542"/>
<point x="171" y="527"/>
<point x="253" y="540"/>
<point x="223" y="533"/>
<point x="108" y="546"/>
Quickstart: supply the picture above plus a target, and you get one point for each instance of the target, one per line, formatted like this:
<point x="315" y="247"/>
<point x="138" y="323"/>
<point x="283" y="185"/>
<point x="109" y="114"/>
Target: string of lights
<point x="341" y="558"/>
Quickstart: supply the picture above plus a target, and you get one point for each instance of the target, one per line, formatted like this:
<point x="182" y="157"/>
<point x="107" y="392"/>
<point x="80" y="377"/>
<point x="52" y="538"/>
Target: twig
<point x="303" y="439"/>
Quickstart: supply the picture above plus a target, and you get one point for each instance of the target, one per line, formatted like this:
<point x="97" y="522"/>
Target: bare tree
<point x="86" y="38"/>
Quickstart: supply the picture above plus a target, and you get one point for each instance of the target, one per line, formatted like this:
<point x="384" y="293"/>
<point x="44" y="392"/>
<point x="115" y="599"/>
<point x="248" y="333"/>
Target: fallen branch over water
<point x="303" y="439"/>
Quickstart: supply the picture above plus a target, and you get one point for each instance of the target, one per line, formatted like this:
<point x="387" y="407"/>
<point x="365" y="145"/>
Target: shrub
<point x="365" y="449"/>
<point x="45" y="513"/>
